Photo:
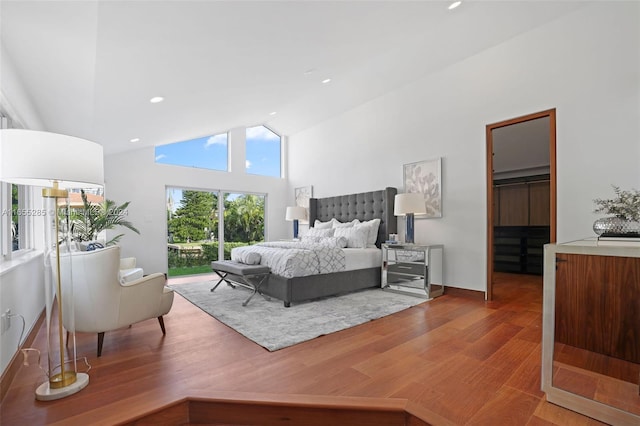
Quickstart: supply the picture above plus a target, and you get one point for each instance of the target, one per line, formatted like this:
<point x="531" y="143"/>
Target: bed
<point x="365" y="206"/>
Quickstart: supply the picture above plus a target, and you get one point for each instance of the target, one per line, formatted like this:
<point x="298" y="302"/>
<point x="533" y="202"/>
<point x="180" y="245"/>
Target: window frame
<point x="25" y="221"/>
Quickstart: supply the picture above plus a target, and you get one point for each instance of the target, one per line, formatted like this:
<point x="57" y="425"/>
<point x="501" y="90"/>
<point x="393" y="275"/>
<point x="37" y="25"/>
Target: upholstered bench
<point x="248" y="276"/>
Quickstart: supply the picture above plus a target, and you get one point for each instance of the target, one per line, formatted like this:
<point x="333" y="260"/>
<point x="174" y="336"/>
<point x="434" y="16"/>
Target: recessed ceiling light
<point x="326" y="80"/>
<point x="454" y="4"/>
<point x="273" y="113"/>
<point x="135" y="140"/>
<point x="309" y="71"/>
<point x="156" y="99"/>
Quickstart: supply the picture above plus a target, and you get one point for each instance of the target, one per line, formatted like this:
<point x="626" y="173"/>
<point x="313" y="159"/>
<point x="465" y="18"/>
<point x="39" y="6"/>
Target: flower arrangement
<point x="625" y="205"/>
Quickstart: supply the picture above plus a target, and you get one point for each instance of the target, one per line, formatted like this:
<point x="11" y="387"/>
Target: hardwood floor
<point x="465" y="361"/>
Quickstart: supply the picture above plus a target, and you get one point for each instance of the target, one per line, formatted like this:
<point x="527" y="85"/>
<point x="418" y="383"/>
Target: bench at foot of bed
<point x="248" y="276"/>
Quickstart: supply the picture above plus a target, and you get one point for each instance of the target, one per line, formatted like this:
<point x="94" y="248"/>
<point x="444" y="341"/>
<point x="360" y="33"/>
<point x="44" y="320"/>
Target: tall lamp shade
<point x="408" y="205"/>
<point x="295" y="214"/>
<point x="56" y="162"/>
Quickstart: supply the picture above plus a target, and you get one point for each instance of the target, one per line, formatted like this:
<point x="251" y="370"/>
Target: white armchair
<point x="102" y="303"/>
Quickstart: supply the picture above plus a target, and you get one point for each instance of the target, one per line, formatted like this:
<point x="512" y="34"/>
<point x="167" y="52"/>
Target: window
<point x="263" y="152"/>
<point x="204" y="226"/>
<point x="209" y="152"/>
<point x="17" y="219"/>
<point x="18" y="212"/>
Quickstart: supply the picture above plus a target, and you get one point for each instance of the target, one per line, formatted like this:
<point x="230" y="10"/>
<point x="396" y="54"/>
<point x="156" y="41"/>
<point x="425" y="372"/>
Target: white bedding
<point x="357" y="258"/>
<point x="298" y="259"/>
<point x="294" y="259"/>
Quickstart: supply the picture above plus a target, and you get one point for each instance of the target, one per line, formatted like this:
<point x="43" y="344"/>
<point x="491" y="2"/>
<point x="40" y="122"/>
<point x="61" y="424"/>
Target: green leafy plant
<point x="88" y="221"/>
<point x="626" y="204"/>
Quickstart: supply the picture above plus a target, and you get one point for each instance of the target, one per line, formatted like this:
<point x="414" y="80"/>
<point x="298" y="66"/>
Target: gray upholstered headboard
<point x="362" y="206"/>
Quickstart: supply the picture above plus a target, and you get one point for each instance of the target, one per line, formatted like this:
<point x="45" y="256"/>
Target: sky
<point x="210" y="152"/>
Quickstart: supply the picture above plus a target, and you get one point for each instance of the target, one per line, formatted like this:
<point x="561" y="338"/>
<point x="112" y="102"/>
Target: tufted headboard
<point x="362" y="206"/>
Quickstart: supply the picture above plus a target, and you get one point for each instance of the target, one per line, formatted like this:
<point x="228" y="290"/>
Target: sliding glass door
<point x="205" y="225"/>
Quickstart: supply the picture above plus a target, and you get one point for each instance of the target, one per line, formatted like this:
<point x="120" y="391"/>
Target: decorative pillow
<point x="248" y="257"/>
<point x="356" y="237"/>
<point x="338" y="224"/>
<point x="311" y="238"/>
<point x="340" y="242"/>
<point x="323" y="225"/>
<point x="315" y="232"/>
<point x="372" y="229"/>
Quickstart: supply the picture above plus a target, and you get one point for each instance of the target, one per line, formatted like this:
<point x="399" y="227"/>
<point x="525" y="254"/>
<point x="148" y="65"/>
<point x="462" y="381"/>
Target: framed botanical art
<point x="425" y="177"/>
<point x="302" y="196"/>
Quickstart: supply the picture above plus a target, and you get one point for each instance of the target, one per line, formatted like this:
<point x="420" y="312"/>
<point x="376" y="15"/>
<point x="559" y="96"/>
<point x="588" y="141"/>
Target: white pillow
<point x="340" y="242"/>
<point x="323" y="225"/>
<point x="338" y="224"/>
<point x="356" y="237"/>
<point x="372" y="229"/>
<point x="315" y="232"/>
<point x="311" y="238"/>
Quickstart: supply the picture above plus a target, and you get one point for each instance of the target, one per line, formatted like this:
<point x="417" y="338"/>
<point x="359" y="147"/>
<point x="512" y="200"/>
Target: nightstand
<point x="413" y="269"/>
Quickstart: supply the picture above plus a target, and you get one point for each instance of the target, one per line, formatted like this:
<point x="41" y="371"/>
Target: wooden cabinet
<point x="518" y="249"/>
<point x="521" y="226"/>
<point x="522" y="204"/>
<point x="591" y="329"/>
<point x="514" y="205"/>
<point x="539" y="204"/>
<point x="598" y="304"/>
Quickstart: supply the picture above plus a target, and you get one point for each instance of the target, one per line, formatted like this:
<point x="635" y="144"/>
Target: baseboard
<point x="16" y="361"/>
<point x="463" y="292"/>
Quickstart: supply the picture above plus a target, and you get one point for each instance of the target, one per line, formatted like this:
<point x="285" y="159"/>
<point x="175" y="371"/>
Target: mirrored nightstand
<point x="413" y="269"/>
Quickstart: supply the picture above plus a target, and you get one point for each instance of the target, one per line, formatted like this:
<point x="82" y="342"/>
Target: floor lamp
<point x="408" y="205"/>
<point x="57" y="163"/>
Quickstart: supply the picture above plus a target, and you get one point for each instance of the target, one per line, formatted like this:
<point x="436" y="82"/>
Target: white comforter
<point x="293" y="259"/>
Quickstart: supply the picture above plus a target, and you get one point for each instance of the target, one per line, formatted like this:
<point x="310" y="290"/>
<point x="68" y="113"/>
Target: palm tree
<point x="251" y="216"/>
<point x="91" y="219"/>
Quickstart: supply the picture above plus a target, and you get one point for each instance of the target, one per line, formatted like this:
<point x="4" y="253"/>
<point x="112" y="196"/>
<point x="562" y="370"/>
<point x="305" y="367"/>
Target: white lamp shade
<point x="409" y="203"/>
<point x="30" y="157"/>
<point x="296" y="212"/>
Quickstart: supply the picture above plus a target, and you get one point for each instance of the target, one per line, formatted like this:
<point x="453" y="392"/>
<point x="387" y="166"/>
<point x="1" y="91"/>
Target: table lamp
<point x="408" y="205"/>
<point x="295" y="213"/>
<point x="56" y="162"/>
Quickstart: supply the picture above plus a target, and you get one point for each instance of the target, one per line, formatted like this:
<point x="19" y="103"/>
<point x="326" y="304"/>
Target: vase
<point x="616" y="227"/>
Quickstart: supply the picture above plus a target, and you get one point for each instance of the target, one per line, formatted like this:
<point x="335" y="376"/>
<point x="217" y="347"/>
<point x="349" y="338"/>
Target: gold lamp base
<point x="45" y="392"/>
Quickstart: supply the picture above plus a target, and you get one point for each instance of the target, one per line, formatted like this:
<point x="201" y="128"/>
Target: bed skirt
<point x="299" y="289"/>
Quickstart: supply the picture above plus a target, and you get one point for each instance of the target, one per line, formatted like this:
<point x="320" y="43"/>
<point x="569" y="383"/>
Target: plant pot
<point x="616" y="227"/>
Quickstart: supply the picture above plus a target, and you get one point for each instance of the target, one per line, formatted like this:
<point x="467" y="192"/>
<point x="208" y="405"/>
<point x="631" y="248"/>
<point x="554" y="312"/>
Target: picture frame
<point x="425" y="177"/>
<point x="302" y="196"/>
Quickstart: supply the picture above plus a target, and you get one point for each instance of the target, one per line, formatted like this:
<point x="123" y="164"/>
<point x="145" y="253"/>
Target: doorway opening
<point x="521" y="193"/>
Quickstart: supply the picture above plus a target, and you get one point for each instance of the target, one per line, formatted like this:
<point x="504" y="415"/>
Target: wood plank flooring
<point x="463" y="360"/>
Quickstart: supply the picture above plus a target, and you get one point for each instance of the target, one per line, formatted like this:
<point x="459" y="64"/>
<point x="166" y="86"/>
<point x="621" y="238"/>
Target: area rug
<point x="271" y="325"/>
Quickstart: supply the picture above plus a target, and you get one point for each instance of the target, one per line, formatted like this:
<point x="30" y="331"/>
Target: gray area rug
<point x="271" y="325"/>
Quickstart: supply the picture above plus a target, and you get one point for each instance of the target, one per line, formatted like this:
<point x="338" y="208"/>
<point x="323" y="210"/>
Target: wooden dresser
<point x="591" y="329"/>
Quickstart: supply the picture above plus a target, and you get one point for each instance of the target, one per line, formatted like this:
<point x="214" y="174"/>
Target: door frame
<point x="551" y="113"/>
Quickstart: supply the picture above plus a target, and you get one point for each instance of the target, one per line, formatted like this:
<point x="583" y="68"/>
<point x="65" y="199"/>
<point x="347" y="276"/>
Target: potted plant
<point x="90" y="220"/>
<point x="624" y="209"/>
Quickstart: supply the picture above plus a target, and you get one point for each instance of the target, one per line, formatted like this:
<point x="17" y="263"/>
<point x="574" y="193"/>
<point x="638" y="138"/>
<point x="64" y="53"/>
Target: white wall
<point x="21" y="291"/>
<point x="134" y="176"/>
<point x="586" y="65"/>
<point x="22" y="280"/>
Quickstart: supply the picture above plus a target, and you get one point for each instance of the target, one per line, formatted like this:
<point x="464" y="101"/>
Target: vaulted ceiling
<point x="91" y="67"/>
